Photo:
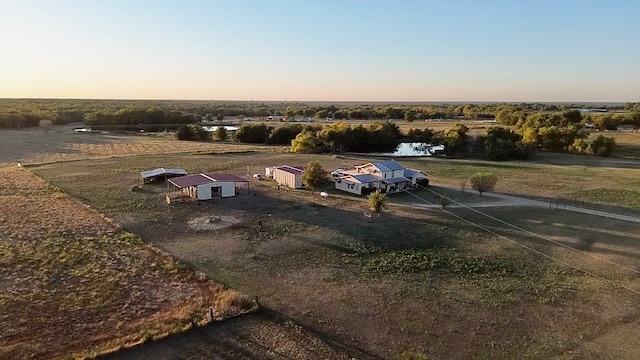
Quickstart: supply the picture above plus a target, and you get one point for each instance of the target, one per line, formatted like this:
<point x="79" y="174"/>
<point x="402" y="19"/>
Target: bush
<point x="603" y="146"/>
<point x="377" y="200"/>
<point x="221" y="133"/>
<point x="482" y="182"/>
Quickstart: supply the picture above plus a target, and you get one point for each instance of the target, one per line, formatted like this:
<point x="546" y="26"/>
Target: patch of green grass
<point x="623" y="197"/>
<point x="502" y="279"/>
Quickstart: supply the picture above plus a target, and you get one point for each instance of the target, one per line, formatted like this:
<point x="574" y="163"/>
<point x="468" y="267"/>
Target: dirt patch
<point x="210" y="223"/>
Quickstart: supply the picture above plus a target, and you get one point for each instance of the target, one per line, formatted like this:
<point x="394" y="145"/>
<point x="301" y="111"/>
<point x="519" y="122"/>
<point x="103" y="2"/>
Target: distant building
<point x="627" y="128"/>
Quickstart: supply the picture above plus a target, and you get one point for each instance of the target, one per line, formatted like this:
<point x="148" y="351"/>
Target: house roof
<point x="410" y="173"/>
<point x="191" y="180"/>
<point x="396" y="180"/>
<point x="200" y="179"/>
<point x="389" y="165"/>
<point x="290" y="169"/>
<point x="226" y="177"/>
<point x="365" y="178"/>
<point x="162" y="171"/>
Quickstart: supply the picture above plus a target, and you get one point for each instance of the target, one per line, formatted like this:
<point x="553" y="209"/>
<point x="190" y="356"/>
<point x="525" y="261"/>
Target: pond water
<point x="417" y="149"/>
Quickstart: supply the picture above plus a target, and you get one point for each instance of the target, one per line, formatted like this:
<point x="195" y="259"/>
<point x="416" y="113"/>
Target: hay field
<point x="72" y="283"/>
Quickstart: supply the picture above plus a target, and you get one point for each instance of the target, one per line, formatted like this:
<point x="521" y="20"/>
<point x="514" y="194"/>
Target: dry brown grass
<point x="71" y="282"/>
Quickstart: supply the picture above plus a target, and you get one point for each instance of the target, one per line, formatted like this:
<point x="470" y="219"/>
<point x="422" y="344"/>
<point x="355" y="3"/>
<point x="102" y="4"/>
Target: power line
<point x="537" y="235"/>
<point x="531" y="249"/>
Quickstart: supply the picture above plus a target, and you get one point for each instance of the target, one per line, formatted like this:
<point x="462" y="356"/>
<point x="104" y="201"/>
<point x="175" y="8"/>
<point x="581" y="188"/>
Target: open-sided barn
<point x="205" y="186"/>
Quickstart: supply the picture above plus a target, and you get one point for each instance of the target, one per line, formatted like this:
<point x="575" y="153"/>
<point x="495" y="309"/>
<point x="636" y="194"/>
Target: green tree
<point x="185" y="132"/>
<point x="482" y="182"/>
<point x="254" y="134"/>
<point x="455" y="139"/>
<point x="306" y="143"/>
<point x="409" y="116"/>
<point x="221" y="133"/>
<point x="603" y="146"/>
<point x="220" y="117"/>
<point x="322" y="114"/>
<point x="314" y="175"/>
<point x="377" y="201"/>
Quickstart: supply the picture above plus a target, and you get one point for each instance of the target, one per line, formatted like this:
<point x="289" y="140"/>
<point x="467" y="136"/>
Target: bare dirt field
<point x="410" y="281"/>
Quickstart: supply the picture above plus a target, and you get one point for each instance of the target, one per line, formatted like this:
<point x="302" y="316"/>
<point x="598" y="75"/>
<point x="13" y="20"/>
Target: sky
<point x="321" y="50"/>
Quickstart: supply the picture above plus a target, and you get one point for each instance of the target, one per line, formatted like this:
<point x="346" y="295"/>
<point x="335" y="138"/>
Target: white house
<point x="388" y="176"/>
<point x="290" y="176"/>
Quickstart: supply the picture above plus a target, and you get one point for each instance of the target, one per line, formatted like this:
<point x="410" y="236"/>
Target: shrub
<point x="482" y="182"/>
<point x="603" y="146"/>
<point x="377" y="200"/>
<point x="221" y="133"/>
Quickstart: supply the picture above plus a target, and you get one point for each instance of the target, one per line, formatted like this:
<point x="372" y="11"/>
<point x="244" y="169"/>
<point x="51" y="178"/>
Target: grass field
<point x="410" y="280"/>
<point x="73" y="283"/>
<point x="337" y="285"/>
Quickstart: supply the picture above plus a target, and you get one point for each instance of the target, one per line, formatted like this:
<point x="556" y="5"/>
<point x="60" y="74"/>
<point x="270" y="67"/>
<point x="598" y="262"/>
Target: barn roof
<point x="191" y="180"/>
<point x="162" y="171"/>
<point x="290" y="169"/>
<point x="226" y="177"/>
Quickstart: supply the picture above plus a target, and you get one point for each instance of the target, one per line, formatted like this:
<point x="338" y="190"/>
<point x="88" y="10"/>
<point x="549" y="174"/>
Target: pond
<point x="417" y="149"/>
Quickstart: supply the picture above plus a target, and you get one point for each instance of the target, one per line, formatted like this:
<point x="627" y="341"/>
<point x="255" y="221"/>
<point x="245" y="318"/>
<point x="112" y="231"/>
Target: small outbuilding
<point x="160" y="174"/>
<point x="205" y="186"/>
<point x="290" y="176"/>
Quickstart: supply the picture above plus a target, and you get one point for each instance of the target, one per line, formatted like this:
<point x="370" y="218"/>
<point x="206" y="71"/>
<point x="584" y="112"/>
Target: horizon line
<point x="338" y="101"/>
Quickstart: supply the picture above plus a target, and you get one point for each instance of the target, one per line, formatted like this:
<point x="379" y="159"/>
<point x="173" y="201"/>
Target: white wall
<point x="348" y="186"/>
<point x="286" y="178"/>
<point x="225" y="189"/>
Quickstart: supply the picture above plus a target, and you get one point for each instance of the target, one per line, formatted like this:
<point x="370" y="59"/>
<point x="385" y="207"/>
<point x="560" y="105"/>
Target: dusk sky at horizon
<point x="350" y="50"/>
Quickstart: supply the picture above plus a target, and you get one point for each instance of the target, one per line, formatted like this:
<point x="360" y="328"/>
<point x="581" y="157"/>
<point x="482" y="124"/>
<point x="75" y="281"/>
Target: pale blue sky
<point x="322" y="50"/>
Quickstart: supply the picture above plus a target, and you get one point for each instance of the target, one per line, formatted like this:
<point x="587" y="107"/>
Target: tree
<point x="322" y="114"/>
<point x="377" y="201"/>
<point x="603" y="146"/>
<point x="314" y="175"/>
<point x="409" y="116"/>
<point x="220" y="117"/>
<point x="185" y="132"/>
<point x="221" y="133"/>
<point x="254" y="134"/>
<point x="306" y="143"/>
<point x="482" y="182"/>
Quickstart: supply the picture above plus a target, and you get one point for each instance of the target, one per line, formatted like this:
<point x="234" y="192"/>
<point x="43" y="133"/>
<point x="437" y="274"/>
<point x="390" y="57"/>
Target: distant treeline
<point x="564" y="132"/>
<point x="29" y="112"/>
